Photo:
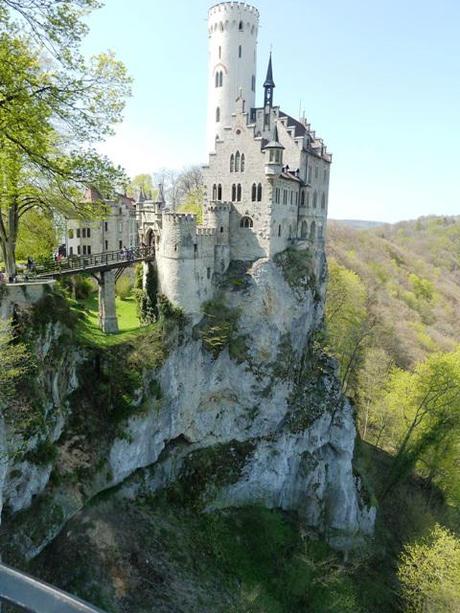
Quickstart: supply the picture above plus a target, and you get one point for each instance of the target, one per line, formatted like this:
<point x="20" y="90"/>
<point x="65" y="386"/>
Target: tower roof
<point x="269" y="78"/>
<point x="275" y="142"/>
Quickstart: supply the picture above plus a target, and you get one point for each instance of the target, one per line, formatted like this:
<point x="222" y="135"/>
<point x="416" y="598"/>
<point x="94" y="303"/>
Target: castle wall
<point x="185" y="262"/>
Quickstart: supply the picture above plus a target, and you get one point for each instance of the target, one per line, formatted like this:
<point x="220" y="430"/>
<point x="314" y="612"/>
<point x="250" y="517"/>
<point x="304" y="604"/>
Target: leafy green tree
<point x="144" y="182"/>
<point x="193" y="203"/>
<point x="51" y="111"/>
<point x="37" y="236"/>
<point x="429" y="572"/>
<point x="347" y="322"/>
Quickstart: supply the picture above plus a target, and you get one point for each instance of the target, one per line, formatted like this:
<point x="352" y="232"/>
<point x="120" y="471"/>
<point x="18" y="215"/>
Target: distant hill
<point x="411" y="271"/>
<point x="358" y="224"/>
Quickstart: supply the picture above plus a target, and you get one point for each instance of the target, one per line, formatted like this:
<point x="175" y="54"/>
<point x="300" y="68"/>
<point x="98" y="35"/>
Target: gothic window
<point x="259" y="192"/>
<point x="246" y="222"/>
<point x="240" y="27"/>
<point x="214" y="192"/>
<point x="315" y="200"/>
<point x="217" y="114"/>
<point x="243" y="162"/>
<point x="240" y="51"/>
<point x="232" y="163"/>
<point x="302" y="198"/>
<point x="234" y="193"/>
<point x="254" y="192"/>
<point x="323" y="201"/>
<point x="219" y="192"/>
<point x="238" y="192"/>
<point x="237" y="161"/>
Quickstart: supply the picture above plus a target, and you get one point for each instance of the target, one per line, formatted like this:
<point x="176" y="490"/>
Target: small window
<point x="217" y="114"/>
<point x="83" y="233"/>
<point x="238" y="192"/>
<point x="214" y="192"/>
<point x="88" y="232"/>
<point x="106" y="226"/>
<point x="219" y="192"/>
<point x="234" y="193"/>
<point x="240" y="51"/>
<point x="208" y="273"/>
<point x="217" y="79"/>
<point x="79" y="250"/>
<point x="243" y="162"/>
<point x="120" y="244"/>
<point x="285" y="196"/>
<point x="78" y="232"/>
<point x="89" y="249"/>
<point x="71" y="251"/>
<point x="279" y="230"/>
<point x="302" y="198"/>
<point x="254" y="192"/>
<point x="240" y="27"/>
<point x="232" y="163"/>
<point x="253" y="83"/>
<point x="221" y="79"/>
<point x="246" y="222"/>
<point x="106" y="245"/>
<point x="237" y="161"/>
<point x="221" y="229"/>
<point x="259" y="192"/>
<point x="195" y="248"/>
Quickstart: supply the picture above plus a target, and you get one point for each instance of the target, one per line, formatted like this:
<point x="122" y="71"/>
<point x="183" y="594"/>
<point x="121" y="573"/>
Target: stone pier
<point x="107" y="309"/>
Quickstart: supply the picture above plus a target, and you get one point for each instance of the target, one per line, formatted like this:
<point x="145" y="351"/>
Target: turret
<point x="232" y="28"/>
<point x="274" y="155"/>
<point x="269" y="86"/>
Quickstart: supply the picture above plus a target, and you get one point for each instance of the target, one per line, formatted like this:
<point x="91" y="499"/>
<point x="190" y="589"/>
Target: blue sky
<point x="379" y="81"/>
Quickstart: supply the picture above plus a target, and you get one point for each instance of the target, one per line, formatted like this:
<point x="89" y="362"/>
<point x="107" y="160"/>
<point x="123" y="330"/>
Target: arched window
<point x="214" y="192"/>
<point x="237" y="161"/>
<point x="219" y="192"/>
<point x="254" y="192"/>
<point x="302" y="198"/>
<point x="217" y="114"/>
<point x="238" y="192"/>
<point x="240" y="27"/>
<point x="259" y="192"/>
<point x="313" y="231"/>
<point x="315" y="200"/>
<point x="243" y="162"/>
<point x="246" y="222"/>
<point x="323" y="201"/>
<point x="233" y="193"/>
<point x="232" y="163"/>
<point x="304" y="230"/>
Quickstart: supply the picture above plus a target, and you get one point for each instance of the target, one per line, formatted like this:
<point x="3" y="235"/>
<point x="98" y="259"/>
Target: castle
<point x="266" y="183"/>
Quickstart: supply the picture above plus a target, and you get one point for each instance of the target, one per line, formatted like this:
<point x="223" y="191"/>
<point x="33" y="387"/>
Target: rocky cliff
<point x="243" y="408"/>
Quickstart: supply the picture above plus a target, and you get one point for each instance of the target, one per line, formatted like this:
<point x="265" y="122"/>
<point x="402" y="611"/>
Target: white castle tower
<point x="233" y="28"/>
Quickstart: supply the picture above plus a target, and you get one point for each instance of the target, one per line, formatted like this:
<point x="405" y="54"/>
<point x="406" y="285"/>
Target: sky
<point x="379" y="81"/>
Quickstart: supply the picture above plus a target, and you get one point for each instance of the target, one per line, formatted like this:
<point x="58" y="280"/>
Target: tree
<point x="429" y="572"/>
<point x="426" y="404"/>
<point x="347" y="322"/>
<point x="51" y="111"/>
<point x="144" y="182"/>
<point x="37" y="236"/>
<point x="178" y="185"/>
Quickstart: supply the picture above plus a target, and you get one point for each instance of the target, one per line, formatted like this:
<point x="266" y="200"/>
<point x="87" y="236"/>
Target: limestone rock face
<point x="260" y="408"/>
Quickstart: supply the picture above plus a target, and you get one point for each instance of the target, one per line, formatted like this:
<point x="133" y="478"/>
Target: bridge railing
<point x="29" y="594"/>
<point x="106" y="258"/>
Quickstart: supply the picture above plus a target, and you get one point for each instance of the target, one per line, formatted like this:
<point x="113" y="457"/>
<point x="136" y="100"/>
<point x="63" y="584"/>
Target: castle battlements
<point x="205" y="231"/>
<point x="219" y="207"/>
<point x="232" y="7"/>
<point x="178" y="218"/>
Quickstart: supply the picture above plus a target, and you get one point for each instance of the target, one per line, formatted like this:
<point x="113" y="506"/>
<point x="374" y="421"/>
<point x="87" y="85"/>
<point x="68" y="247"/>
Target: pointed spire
<point x="141" y="198"/>
<point x="269" y="78"/>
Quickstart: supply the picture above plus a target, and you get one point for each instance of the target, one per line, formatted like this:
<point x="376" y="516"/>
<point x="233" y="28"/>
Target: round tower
<point x="233" y="29"/>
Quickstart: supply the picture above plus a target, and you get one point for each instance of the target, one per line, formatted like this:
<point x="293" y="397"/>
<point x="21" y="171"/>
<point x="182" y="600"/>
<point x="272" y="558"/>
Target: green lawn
<point x="88" y="326"/>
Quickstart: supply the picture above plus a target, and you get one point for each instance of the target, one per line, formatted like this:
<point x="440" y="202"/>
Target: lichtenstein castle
<point x="266" y="184"/>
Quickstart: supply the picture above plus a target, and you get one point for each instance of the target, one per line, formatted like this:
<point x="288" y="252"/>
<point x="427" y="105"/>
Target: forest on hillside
<point x="392" y="321"/>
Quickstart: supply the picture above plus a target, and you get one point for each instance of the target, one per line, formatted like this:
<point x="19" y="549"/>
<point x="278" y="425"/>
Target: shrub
<point x="124" y="288"/>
